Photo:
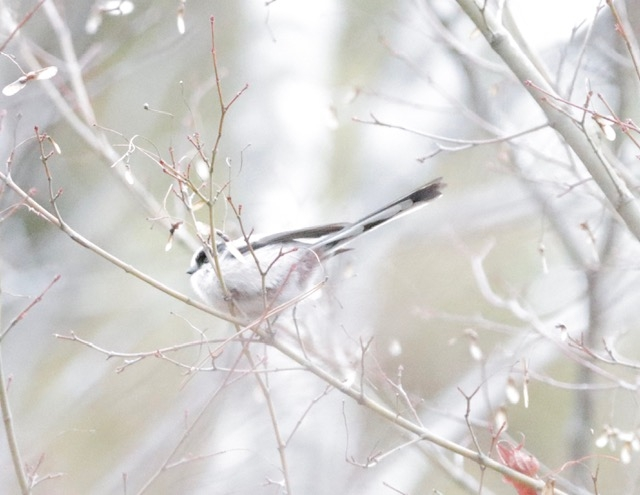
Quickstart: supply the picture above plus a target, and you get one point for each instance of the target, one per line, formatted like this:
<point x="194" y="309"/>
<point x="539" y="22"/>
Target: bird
<point x="261" y="275"/>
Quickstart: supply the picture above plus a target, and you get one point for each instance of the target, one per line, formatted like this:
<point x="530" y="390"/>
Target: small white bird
<point x="264" y="273"/>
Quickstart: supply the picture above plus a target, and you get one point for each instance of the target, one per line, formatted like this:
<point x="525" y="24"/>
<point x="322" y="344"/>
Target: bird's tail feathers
<point x="417" y="198"/>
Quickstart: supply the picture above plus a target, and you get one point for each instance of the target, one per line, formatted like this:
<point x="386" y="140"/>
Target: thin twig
<point x="167" y="464"/>
<point x="21" y="24"/>
<point x="9" y="429"/>
<point x="26" y="310"/>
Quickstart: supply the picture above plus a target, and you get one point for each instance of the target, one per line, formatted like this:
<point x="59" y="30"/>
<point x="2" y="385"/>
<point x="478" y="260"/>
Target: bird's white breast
<point x="258" y="281"/>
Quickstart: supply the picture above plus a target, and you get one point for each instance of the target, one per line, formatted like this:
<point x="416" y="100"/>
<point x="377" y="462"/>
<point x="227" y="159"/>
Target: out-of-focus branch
<point x="7" y="420"/>
<point x="84" y="125"/>
<point x="73" y="66"/>
<point x="580" y="139"/>
<point x="16" y="26"/>
<point x="187" y="434"/>
<point x="626" y="32"/>
<point x="24" y="312"/>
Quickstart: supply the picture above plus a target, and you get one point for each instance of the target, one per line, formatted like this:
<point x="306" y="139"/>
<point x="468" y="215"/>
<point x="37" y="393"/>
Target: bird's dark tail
<point x="394" y="210"/>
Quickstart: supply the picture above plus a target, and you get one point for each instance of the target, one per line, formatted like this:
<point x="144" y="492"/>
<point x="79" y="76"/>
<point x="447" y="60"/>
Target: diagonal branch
<point x="582" y="140"/>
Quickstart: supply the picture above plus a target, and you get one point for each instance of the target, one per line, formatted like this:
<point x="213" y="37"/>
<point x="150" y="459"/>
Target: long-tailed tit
<point x="260" y="274"/>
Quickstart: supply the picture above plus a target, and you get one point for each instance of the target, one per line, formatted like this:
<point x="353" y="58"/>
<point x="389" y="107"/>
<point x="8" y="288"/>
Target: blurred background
<point x="499" y="288"/>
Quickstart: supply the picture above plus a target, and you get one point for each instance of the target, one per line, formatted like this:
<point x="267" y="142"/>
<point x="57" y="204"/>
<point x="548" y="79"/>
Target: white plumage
<point x="277" y="269"/>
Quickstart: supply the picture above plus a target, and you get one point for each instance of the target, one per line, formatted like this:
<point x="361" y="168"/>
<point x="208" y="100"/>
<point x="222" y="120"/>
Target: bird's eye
<point x="202" y="258"/>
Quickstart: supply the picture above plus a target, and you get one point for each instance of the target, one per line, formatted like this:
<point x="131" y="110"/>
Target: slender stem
<point x="213" y="192"/>
<point x="187" y="433"/>
<point x="12" y="441"/>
